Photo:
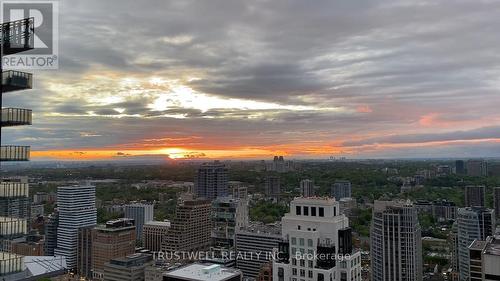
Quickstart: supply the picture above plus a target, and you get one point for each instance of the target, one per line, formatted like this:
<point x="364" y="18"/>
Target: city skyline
<point x="255" y="79"/>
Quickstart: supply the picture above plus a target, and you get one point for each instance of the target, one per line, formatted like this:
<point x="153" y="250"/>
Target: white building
<point x="306" y="188"/>
<point x="76" y="209"/>
<point x="203" y="272"/>
<point x="317" y="243"/>
<point x="141" y="214"/>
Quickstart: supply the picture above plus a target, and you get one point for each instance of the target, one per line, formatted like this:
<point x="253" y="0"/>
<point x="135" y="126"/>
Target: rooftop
<point x="203" y="272"/>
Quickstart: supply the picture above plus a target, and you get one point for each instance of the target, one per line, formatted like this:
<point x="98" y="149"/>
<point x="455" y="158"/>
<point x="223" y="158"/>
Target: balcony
<point x="15" y="117"/>
<point x="18" y="36"/>
<point x="14" y="189"/>
<point x="14" y="153"/>
<point x="16" y="80"/>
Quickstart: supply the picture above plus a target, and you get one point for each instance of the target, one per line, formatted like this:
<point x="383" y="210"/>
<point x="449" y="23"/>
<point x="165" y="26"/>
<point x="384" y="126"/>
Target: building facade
<point x="395" y="239"/>
<point x="317" y="243"/>
<point x="341" y="189"/>
<point x="474" y="195"/>
<point x="76" y="207"/>
<point x="141" y="214"/>
<point x="211" y="181"/>
<point x="153" y="233"/>
<point x="306" y="188"/>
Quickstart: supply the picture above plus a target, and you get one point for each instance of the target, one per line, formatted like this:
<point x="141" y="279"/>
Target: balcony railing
<point x="18" y="36"/>
<point x="15" y="117"/>
<point x="14" y="189"/>
<point x="14" y="153"/>
<point x="16" y="80"/>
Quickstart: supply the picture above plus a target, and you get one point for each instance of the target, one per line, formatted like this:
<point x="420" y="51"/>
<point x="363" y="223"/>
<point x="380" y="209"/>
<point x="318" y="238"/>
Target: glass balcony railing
<point x="14" y="153"/>
<point x="15" y="117"/>
<point x="16" y="80"/>
<point x="18" y="36"/>
<point x="14" y="189"/>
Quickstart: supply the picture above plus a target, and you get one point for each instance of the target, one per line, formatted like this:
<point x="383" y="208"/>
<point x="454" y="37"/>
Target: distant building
<point x="36" y="211"/>
<point x="395" y="242"/>
<point x="76" y="209"/>
<point x="474" y="196"/>
<point x="307" y="188"/>
<point x="129" y="268"/>
<point x="202" y="272"/>
<point x="496" y="201"/>
<point x="114" y="239"/>
<point x="485" y="259"/>
<point x="477" y="168"/>
<point x="341" y="189"/>
<point x="153" y="233"/>
<point x="228" y="215"/>
<point x="211" y="181"/>
<point x="191" y="217"/>
<point x="141" y="214"/>
<point x="273" y="187"/>
<point x="50" y="227"/>
<point x="278" y="165"/>
<point x="315" y="225"/>
<point x="460" y="167"/>
<point x="472" y="223"/>
<point x="84" y="252"/>
<point x="259" y="241"/>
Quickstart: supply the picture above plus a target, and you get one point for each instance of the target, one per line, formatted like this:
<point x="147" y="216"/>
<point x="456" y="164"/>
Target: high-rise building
<point x="141" y="214"/>
<point x="472" y="223"/>
<point x="395" y="240"/>
<point x="84" y="252"/>
<point x="153" y="233"/>
<point x="341" y="189"/>
<point x="76" y="206"/>
<point x="192" y="217"/>
<point x="460" y="167"/>
<point x="307" y="188"/>
<point x="485" y="259"/>
<point x="202" y="272"/>
<point x="50" y="228"/>
<point x="474" y="196"/>
<point x="496" y="201"/>
<point x="259" y="241"/>
<point x="129" y="268"/>
<point x="477" y="168"/>
<point x="228" y="215"/>
<point x="273" y="187"/>
<point x="114" y="239"/>
<point x="14" y="214"/>
<point x="317" y="243"/>
<point x="211" y="181"/>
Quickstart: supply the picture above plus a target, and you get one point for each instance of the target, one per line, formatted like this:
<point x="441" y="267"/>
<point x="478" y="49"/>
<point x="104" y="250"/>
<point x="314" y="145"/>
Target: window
<point x="334" y="211"/>
<point x="294" y="271"/>
<point x="309" y="242"/>
<point x="302" y="263"/>
<point x="310" y="274"/>
<point x="298" y="227"/>
<point x="294" y="241"/>
<point x="310" y="263"/>
<point x="313" y="211"/>
<point x="301" y="241"/>
<point x="306" y="211"/>
<point x="298" y="210"/>
<point x="321" y="211"/>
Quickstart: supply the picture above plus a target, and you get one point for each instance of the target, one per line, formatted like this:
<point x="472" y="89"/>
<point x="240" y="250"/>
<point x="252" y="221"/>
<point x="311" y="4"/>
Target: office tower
<point x="278" y="165"/>
<point x="141" y="214"/>
<point x="395" y="239"/>
<point x="191" y="217"/>
<point x="202" y="272"/>
<point x="454" y="262"/>
<point x="444" y="210"/>
<point x="474" y="196"/>
<point x="114" y="239"/>
<point x="477" y="168"/>
<point x="259" y="241"/>
<point x="84" y="252"/>
<point x="273" y="187"/>
<point x="76" y="209"/>
<point x="472" y="223"/>
<point x="341" y="189"/>
<point x="306" y="188"/>
<point x="496" y="201"/>
<point x="129" y="268"/>
<point x="211" y="181"/>
<point x="50" y="227"/>
<point x="228" y="215"/>
<point x="485" y="259"/>
<point x="153" y="233"/>
<point x="460" y="167"/>
<point x="314" y="226"/>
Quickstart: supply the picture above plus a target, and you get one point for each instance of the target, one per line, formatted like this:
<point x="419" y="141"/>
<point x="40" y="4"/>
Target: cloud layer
<point x="253" y="78"/>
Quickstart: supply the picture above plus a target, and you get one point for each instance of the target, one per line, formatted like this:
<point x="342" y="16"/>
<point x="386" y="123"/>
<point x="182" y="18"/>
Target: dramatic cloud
<point x="252" y="78"/>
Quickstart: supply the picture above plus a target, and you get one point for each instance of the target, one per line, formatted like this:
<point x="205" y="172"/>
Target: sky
<point x="257" y="78"/>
